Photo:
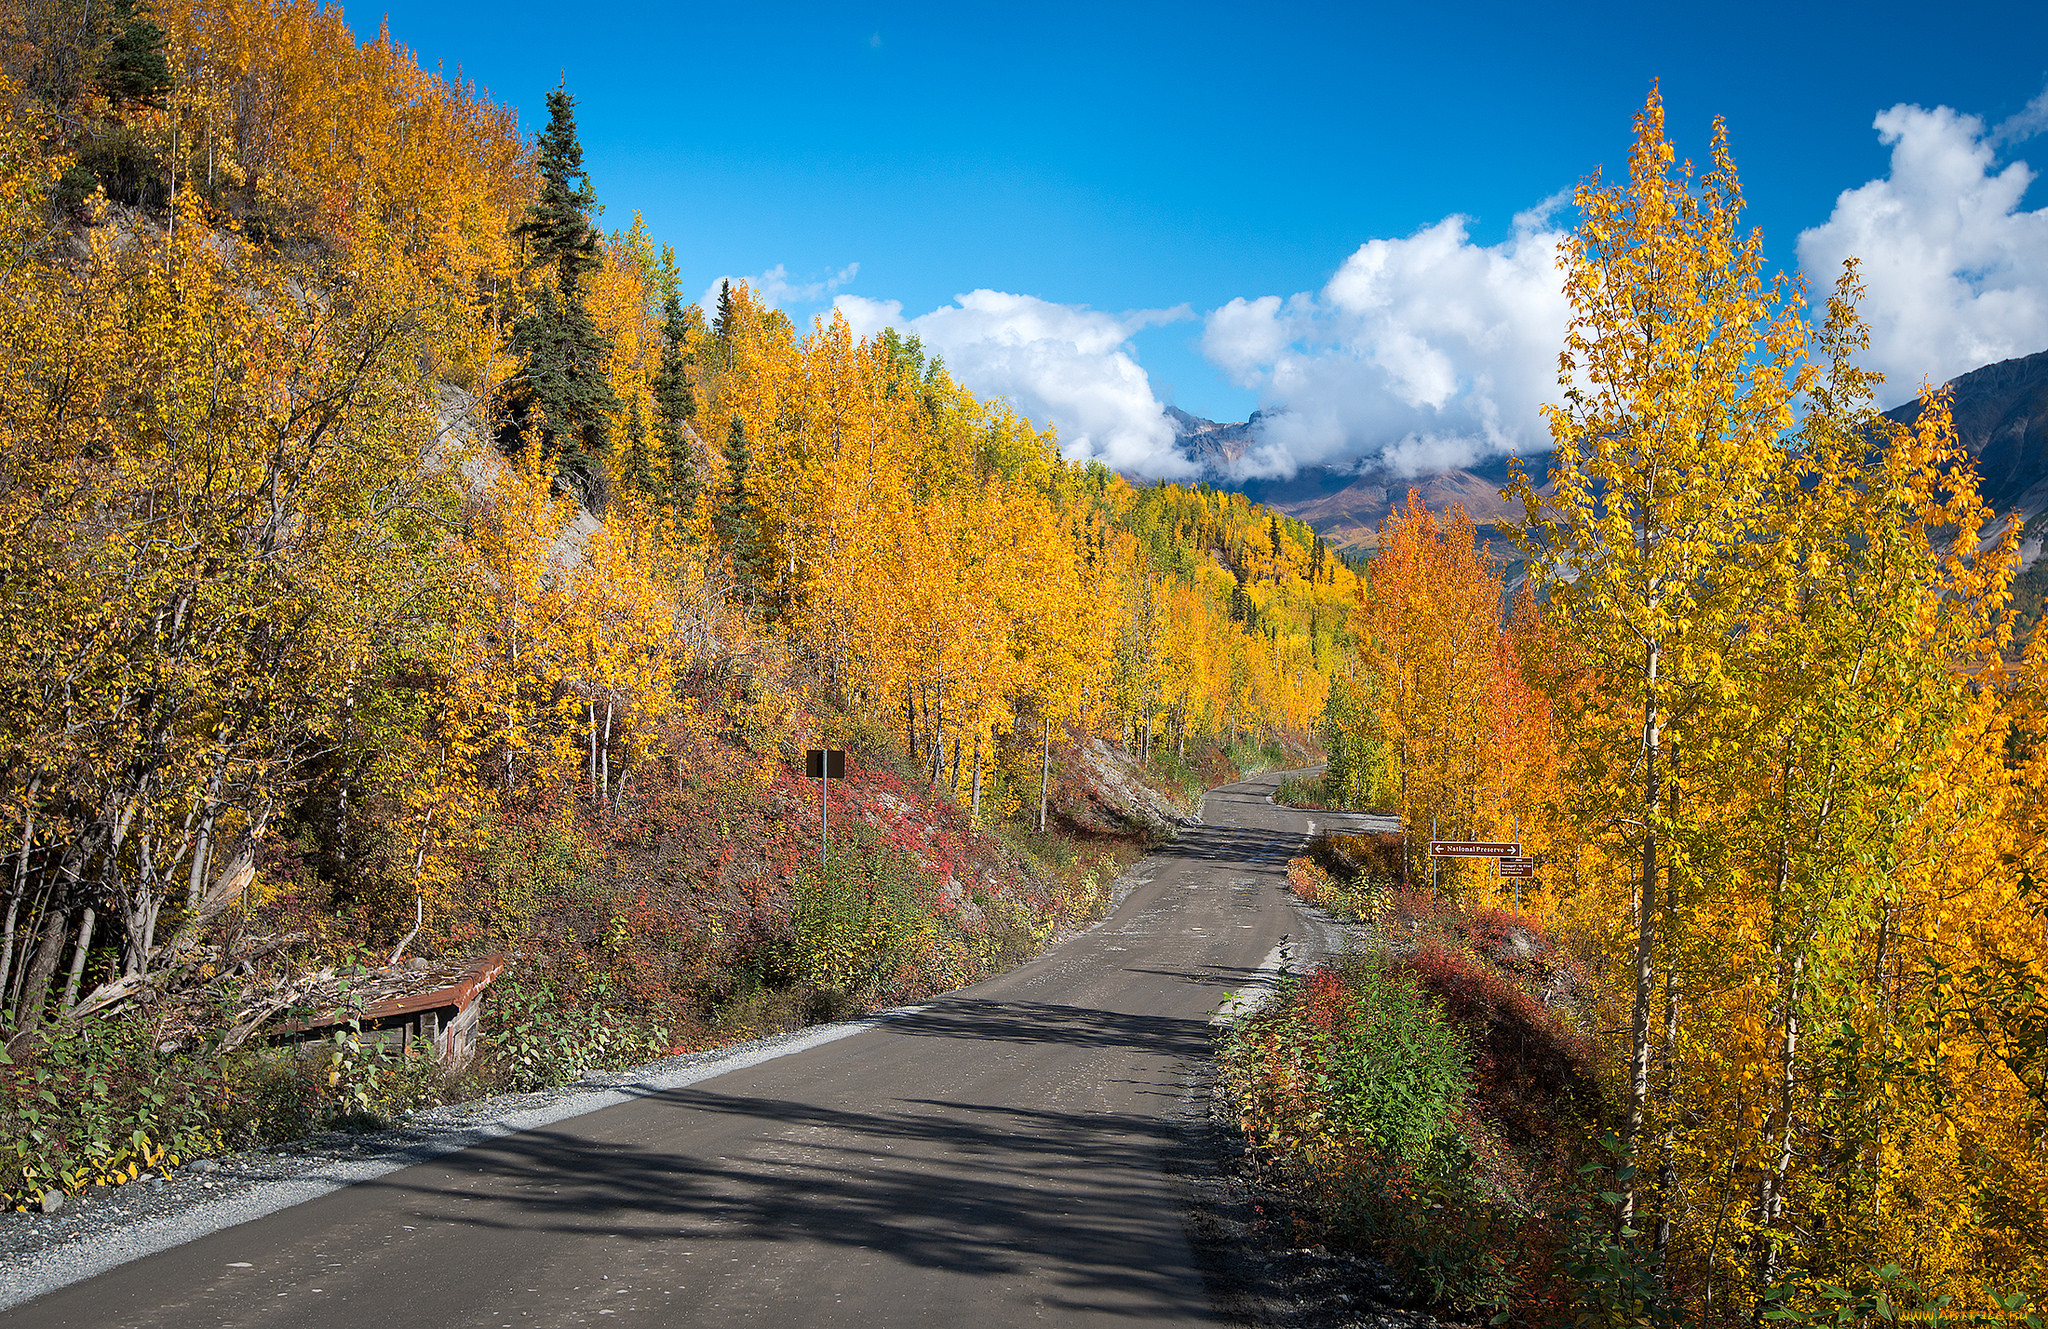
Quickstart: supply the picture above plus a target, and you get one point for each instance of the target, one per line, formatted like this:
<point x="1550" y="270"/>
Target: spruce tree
<point x="563" y="398"/>
<point x="674" y="405"/>
<point x="738" y="530"/>
<point x="722" y="327"/>
<point x="134" y="69"/>
<point x="639" y="473"/>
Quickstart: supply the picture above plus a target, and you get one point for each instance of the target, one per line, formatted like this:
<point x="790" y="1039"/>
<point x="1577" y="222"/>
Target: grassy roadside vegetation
<point x="1430" y="1097"/>
<point x="1314" y="792"/>
<point x="1433" y="1098"/>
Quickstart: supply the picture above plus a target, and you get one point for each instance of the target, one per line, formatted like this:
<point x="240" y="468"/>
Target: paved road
<point x="993" y="1158"/>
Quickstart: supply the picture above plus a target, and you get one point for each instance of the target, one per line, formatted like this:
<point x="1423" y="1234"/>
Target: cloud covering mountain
<point x="1065" y="365"/>
<point x="1957" y="271"/>
<point x="1423" y="353"/>
<point x="1432" y="352"/>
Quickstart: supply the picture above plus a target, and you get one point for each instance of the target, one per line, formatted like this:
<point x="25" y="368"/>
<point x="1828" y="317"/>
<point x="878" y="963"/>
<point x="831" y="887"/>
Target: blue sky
<point x="1112" y="159"/>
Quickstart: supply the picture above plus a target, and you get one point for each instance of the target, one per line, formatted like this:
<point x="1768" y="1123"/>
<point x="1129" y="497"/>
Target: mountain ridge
<point x="2001" y="415"/>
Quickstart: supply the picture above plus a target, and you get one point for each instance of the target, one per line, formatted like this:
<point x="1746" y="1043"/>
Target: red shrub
<point x="1529" y="1065"/>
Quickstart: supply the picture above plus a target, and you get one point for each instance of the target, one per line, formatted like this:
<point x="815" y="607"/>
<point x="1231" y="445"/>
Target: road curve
<point x="994" y="1157"/>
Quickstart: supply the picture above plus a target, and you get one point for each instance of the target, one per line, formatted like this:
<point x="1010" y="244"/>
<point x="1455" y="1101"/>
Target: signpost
<point x="821" y="764"/>
<point x="1508" y="853"/>
<point x="1474" y="849"/>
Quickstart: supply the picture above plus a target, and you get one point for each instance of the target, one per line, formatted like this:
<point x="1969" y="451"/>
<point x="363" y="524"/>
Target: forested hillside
<point x="382" y="544"/>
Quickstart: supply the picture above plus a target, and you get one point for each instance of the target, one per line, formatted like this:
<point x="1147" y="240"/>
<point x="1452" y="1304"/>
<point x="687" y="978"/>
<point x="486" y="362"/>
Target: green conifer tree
<point x="563" y="398"/>
<point x="738" y="529"/>
<point x="134" y="70"/>
<point x="674" y="404"/>
<point x="639" y="474"/>
<point x="722" y="328"/>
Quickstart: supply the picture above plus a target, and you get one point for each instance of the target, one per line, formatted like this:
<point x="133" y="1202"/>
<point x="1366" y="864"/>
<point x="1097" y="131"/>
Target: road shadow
<point x="1232" y="844"/>
<point x="1032" y="1022"/>
<point x="970" y="1188"/>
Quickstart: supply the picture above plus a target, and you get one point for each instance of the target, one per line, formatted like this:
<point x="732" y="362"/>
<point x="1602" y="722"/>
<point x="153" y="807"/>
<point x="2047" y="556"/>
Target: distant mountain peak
<point x="1345" y="503"/>
<point x="1216" y="448"/>
<point x="2001" y="413"/>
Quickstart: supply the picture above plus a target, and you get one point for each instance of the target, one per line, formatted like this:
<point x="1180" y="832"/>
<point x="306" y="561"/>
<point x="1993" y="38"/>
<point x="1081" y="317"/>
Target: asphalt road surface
<point x="995" y="1157"/>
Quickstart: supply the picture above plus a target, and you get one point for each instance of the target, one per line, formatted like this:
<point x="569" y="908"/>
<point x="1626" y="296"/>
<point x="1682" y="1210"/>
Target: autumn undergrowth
<point x="1351" y="876"/>
<point x="104" y="1103"/>
<point x="1306" y="791"/>
<point x="1429" y="1100"/>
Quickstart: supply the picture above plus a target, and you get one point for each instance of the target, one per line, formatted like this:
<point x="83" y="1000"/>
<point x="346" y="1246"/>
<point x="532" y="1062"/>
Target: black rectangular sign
<point x="819" y="763"/>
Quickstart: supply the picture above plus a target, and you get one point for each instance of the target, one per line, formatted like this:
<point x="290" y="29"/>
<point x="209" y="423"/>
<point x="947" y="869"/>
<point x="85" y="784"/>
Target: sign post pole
<point x="821" y="764"/>
<point x="1432" y="858"/>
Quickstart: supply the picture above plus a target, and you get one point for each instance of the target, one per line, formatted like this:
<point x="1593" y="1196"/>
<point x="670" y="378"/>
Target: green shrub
<point x="858" y="918"/>
<point x="1303" y="791"/>
<point x="98" y="1103"/>
<point x="1352" y="1056"/>
<point x="1354" y="1084"/>
<point x="1347" y="897"/>
<point x="101" y="1103"/>
<point x="542" y="1036"/>
<point x="1249" y="758"/>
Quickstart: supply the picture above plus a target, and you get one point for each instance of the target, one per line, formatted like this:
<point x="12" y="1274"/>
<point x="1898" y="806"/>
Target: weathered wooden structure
<point x="424" y="1005"/>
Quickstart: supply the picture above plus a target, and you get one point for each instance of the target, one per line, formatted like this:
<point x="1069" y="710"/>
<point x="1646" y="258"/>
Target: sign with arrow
<point x="1474" y="849"/>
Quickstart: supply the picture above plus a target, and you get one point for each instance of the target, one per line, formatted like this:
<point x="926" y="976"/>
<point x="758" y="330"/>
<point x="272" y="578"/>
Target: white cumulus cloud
<point x="1957" y="272"/>
<point x="1421" y="353"/>
<point x="1065" y="365"/>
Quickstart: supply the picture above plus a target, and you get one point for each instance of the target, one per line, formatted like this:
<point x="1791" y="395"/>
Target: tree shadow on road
<point x="1232" y="844"/>
<point x="1074" y="1198"/>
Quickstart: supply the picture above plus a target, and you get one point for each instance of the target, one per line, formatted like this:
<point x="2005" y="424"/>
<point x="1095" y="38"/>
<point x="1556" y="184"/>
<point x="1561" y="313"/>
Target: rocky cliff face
<point x="1217" y="448"/>
<point x="2002" y="420"/>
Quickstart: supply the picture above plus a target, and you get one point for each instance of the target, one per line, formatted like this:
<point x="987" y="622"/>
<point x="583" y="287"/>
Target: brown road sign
<point x="1519" y="870"/>
<point x="1474" y="849"/>
<point x="824" y="763"/>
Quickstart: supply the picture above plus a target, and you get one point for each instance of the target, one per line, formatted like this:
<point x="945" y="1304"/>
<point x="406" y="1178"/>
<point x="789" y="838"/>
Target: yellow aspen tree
<point x="1678" y="375"/>
<point x="1428" y="639"/>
